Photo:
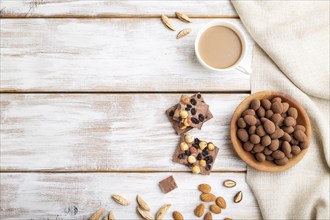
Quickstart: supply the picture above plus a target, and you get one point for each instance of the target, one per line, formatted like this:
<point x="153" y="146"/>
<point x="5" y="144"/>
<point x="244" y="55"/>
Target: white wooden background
<point x="84" y="87"/>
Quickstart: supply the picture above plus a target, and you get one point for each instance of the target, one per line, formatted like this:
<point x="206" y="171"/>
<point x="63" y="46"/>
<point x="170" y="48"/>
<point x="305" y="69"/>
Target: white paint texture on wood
<point x="54" y="196"/>
<point x="111" y="8"/>
<point x="98" y="132"/>
<point x="108" y="55"/>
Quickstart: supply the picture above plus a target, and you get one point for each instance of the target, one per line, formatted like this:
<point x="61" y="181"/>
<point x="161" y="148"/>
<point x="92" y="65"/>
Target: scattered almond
<point x="199" y="210"/>
<point x="97" y="214"/>
<point x="208" y="197"/>
<point x="177" y="215"/>
<point x="142" y="203"/>
<point x="121" y="200"/>
<point x="183" y="33"/>
<point x="238" y="197"/>
<point x="204" y="188"/>
<point x="162" y="211"/>
<point x="221" y="202"/>
<point x="143" y="213"/>
<point x="208" y="216"/>
<point x="110" y="216"/>
<point x="215" y="209"/>
<point x="229" y="183"/>
<point x="167" y="22"/>
<point x="182" y="17"/>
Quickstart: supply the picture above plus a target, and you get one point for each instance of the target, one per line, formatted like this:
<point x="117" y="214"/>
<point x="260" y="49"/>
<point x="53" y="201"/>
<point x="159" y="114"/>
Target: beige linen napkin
<point x="292" y="56"/>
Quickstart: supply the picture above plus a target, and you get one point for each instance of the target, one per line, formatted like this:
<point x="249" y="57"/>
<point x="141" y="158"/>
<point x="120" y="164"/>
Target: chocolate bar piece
<point x="179" y="127"/>
<point x="168" y="184"/>
<point x="196" y="154"/>
<point x="191" y="111"/>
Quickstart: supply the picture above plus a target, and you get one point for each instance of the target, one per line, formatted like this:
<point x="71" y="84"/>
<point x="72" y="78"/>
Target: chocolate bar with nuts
<point x="191" y="111"/>
<point x="179" y="127"/>
<point x="198" y="155"/>
<point x="168" y="184"/>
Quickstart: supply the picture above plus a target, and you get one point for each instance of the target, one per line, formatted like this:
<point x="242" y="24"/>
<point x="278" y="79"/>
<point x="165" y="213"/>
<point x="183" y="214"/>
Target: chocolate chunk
<point x="193" y="111"/>
<point x="199" y="95"/>
<point x="201" y="117"/>
<point x="189" y="106"/>
<point x="168" y="184"/>
<point x="193" y="101"/>
<point x="195" y="120"/>
<point x="187" y="109"/>
<point x="207" y="155"/>
<point x="171" y="113"/>
<point x="195" y="145"/>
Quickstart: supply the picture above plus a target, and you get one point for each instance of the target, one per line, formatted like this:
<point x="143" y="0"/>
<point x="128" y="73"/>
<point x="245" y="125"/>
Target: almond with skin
<point x="143" y="213"/>
<point x="142" y="203"/>
<point x="215" y="209"/>
<point x="162" y="211"/>
<point x="221" y="202"/>
<point x="177" y="215"/>
<point x="238" y="197"/>
<point x="199" y="210"/>
<point x="208" y="216"/>
<point x="228" y="218"/>
<point x="229" y="183"/>
<point x="204" y="188"/>
<point x="97" y="214"/>
<point x="208" y="197"/>
<point x="182" y="17"/>
<point x="167" y="23"/>
<point x="121" y="200"/>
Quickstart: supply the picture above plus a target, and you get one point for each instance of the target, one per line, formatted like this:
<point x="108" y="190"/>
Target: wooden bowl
<point x="249" y="159"/>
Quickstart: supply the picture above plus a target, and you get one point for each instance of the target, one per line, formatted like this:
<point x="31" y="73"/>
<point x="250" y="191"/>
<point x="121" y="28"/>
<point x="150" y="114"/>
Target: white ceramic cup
<point x="240" y="34"/>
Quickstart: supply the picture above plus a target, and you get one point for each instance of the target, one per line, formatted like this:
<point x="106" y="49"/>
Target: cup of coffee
<point x="221" y="46"/>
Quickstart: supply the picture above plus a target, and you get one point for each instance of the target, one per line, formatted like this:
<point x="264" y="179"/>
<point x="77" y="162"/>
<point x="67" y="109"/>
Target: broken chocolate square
<point x="179" y="129"/>
<point x="168" y="184"/>
<point x="198" y="155"/>
<point x="191" y="111"/>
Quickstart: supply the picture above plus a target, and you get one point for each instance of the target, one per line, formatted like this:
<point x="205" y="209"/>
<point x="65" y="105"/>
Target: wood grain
<point x="114" y="55"/>
<point x="111" y="8"/>
<point x="104" y="132"/>
<point x="78" y="195"/>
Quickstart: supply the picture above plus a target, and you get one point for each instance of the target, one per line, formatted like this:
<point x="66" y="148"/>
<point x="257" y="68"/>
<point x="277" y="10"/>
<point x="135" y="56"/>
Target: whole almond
<point x="182" y="17"/>
<point x="121" y="200"/>
<point x="97" y="214"/>
<point x="208" y="197"/>
<point x="199" y="210"/>
<point x="183" y="33"/>
<point x="221" y="202"/>
<point x="142" y="203"/>
<point x="238" y="197"/>
<point x="229" y="183"/>
<point x="215" y="209"/>
<point x="208" y="216"/>
<point x="143" y="213"/>
<point x="167" y="23"/>
<point x="204" y="188"/>
<point x="177" y="215"/>
<point x="162" y="211"/>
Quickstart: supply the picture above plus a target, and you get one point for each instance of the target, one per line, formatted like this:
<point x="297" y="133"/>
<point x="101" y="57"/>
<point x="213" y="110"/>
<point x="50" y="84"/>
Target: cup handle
<point x="246" y="71"/>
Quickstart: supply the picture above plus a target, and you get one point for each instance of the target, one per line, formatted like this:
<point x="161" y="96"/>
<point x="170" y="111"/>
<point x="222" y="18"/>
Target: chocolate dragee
<point x="197" y="154"/>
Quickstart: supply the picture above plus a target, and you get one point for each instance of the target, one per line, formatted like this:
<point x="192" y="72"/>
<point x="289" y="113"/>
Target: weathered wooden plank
<point x="55" y="196"/>
<point x="111" y="8"/>
<point x="98" y="132"/>
<point x="107" y="55"/>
